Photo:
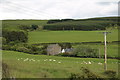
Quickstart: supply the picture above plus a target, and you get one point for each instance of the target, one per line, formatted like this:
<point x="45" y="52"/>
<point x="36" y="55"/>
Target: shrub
<point x="28" y="27"/>
<point x="6" y="47"/>
<point x="86" y="74"/>
<point x="34" y="27"/>
<point x="31" y="49"/>
<point x="3" y="40"/>
<point x="110" y="73"/>
<point x="34" y="48"/>
<point x="5" y="71"/>
<point x="85" y="51"/>
<point x="14" y="35"/>
<point x="25" y="27"/>
<point x="13" y="43"/>
<point x="65" y="45"/>
<point x="23" y="49"/>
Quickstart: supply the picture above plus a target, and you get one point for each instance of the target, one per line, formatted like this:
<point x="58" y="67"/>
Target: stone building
<point x="53" y="49"/>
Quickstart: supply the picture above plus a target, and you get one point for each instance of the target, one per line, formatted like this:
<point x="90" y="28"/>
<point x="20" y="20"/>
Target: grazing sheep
<point x="59" y="62"/>
<point x="89" y="62"/>
<point x="44" y="60"/>
<point x="54" y="60"/>
<point x="100" y="63"/>
<point x="33" y="60"/>
<point x="84" y="62"/>
<point x="50" y="59"/>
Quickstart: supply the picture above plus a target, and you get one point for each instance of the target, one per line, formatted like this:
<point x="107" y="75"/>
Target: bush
<point x="23" y="49"/>
<point x="110" y="73"/>
<point x="34" y="27"/>
<point x="25" y="27"/>
<point x="86" y="74"/>
<point x="31" y="49"/>
<point x="5" y="71"/>
<point x="6" y="47"/>
<point x="28" y="28"/>
<point x="3" y="40"/>
<point x="34" y="48"/>
<point x="13" y="43"/>
<point x="65" y="45"/>
<point x="85" y="51"/>
<point x="14" y="35"/>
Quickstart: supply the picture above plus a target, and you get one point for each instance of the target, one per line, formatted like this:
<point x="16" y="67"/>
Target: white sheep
<point x="59" y="62"/>
<point x="89" y="62"/>
<point x="100" y="63"/>
<point x="54" y="60"/>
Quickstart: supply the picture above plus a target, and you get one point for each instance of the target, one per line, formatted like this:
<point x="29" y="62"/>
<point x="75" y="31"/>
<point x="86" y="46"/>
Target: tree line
<point x="15" y="35"/>
<point x="79" y="25"/>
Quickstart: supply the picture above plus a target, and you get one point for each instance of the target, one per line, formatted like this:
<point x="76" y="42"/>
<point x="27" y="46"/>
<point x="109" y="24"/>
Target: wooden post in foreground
<point x="105" y="50"/>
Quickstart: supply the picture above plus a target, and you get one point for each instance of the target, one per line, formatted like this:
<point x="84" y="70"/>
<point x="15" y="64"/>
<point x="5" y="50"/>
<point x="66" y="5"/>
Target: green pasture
<point x="13" y="24"/>
<point x="23" y="65"/>
<point x="70" y="36"/>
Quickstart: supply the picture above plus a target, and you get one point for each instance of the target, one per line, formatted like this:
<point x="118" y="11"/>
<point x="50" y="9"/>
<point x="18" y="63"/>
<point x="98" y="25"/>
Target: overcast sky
<point x="57" y="9"/>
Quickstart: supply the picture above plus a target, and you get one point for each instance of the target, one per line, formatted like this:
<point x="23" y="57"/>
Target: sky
<point x="57" y="9"/>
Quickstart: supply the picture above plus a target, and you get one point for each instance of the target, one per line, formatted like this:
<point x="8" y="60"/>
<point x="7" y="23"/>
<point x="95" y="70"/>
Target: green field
<point x="91" y="22"/>
<point x="70" y="36"/>
<point x="13" y="24"/>
<point x="23" y="65"/>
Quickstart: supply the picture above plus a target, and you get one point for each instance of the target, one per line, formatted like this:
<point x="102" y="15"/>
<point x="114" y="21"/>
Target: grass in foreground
<point x="40" y="66"/>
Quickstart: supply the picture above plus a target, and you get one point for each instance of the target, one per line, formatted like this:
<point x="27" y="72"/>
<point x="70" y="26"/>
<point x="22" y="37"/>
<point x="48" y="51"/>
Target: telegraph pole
<point x="105" y="50"/>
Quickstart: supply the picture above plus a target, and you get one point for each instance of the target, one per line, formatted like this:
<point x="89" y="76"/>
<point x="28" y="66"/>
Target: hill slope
<point x="82" y="24"/>
<point x="94" y="23"/>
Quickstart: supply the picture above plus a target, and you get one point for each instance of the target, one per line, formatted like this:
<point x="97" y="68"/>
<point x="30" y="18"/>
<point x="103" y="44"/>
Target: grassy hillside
<point x="13" y="24"/>
<point x="70" y="36"/>
<point x="82" y="24"/>
<point x="23" y="65"/>
<point x="103" y="21"/>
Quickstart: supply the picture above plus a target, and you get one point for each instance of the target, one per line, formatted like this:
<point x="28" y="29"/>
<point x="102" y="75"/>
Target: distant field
<point x="91" y="22"/>
<point x="23" y="65"/>
<point x="70" y="36"/>
<point x="13" y="24"/>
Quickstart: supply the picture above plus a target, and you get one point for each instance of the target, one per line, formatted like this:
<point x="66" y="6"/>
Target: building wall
<point x="53" y="49"/>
